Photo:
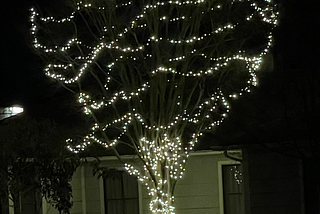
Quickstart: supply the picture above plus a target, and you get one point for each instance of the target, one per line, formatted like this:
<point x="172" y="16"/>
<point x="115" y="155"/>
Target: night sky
<point x="16" y="58"/>
<point x="22" y="80"/>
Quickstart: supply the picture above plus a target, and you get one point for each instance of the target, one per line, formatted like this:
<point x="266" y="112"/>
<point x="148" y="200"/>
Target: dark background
<point x="22" y="80"/>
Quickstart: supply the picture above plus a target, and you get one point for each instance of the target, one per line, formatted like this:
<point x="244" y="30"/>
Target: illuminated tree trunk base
<point x="163" y="160"/>
<point x="163" y="165"/>
<point x="161" y="202"/>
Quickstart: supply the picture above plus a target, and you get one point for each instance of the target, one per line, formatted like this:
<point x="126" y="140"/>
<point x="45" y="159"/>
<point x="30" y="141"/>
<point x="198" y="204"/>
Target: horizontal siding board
<point x="93" y="195"/>
<point x="198" y="211"/>
<point x="192" y="177"/>
<point x="196" y="202"/>
<point x="76" y="193"/>
<point x="76" y="208"/>
<point x="92" y="183"/>
<point x="76" y="183"/>
<point x="196" y="190"/>
<point x="93" y="207"/>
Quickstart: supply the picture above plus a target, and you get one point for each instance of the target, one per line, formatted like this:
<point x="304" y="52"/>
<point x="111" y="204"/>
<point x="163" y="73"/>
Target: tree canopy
<point x="155" y="75"/>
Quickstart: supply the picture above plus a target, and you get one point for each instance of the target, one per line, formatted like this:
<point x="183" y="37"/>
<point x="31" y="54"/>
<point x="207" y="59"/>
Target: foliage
<point x="34" y="158"/>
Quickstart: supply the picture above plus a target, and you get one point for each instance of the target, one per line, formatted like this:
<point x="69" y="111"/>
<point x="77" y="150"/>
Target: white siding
<point x="196" y="193"/>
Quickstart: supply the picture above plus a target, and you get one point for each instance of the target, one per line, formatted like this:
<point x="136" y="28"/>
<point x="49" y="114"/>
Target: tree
<point x="155" y="75"/>
<point x="34" y="160"/>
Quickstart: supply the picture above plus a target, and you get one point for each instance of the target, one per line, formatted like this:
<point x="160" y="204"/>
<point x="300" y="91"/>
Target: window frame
<point x="102" y="194"/>
<point x="220" y="181"/>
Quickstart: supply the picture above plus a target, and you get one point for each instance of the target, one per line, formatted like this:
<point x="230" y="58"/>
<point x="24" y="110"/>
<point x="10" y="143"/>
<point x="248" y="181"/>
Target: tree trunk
<point x="16" y="202"/>
<point x="162" y="194"/>
<point x="161" y="203"/>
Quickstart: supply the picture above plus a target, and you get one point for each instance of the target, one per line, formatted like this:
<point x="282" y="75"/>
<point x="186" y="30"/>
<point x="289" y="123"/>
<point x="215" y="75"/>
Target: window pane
<point x="31" y="202"/>
<point x="121" y="194"/>
<point x="113" y="188"/>
<point x="131" y="206"/>
<point x="130" y="186"/>
<point x="114" y="207"/>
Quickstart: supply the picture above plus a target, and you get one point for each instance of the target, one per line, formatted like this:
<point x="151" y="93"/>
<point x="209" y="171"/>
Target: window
<point x="231" y="187"/>
<point x="121" y="193"/>
<point x="31" y="202"/>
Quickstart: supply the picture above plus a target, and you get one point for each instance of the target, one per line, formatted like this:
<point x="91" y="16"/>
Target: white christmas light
<point x="160" y="144"/>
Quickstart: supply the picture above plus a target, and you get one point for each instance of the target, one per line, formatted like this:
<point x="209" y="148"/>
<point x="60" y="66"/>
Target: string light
<point x="160" y="144"/>
<point x="237" y="174"/>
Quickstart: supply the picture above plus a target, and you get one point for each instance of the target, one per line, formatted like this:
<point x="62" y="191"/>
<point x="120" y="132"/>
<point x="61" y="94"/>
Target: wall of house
<point x="196" y="193"/>
<point x="275" y="183"/>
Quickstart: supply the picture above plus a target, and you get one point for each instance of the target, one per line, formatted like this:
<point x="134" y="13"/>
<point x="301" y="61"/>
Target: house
<point x="263" y="182"/>
<point x="247" y="179"/>
<point x="211" y="180"/>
